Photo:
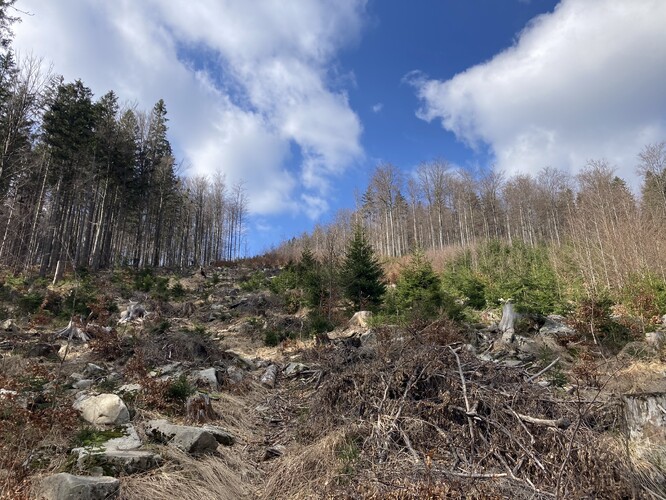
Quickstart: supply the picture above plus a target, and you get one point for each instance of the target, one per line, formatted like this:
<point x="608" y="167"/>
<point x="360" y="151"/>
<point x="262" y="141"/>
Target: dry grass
<point x="223" y="477"/>
<point x="310" y="471"/>
<point x="640" y="376"/>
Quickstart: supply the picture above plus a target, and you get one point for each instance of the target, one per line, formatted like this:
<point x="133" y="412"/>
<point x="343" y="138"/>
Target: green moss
<point x="91" y="437"/>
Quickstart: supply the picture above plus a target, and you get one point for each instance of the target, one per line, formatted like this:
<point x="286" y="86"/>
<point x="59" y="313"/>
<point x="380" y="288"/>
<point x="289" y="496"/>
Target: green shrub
<point x="498" y="270"/>
<point x="179" y="390"/>
<point x="418" y="290"/>
<point x="254" y="282"/>
<point x="30" y="302"/>
<point x="178" y="290"/>
<point x="592" y="318"/>
<point x="144" y="280"/>
<point x="273" y="338"/>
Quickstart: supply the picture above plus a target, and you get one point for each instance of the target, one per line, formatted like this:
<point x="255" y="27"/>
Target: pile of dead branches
<point x="426" y="420"/>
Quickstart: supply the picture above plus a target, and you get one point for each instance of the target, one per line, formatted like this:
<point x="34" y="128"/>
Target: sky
<point x="300" y="100"/>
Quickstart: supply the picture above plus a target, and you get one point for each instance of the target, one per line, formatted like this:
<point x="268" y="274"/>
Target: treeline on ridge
<point x="91" y="183"/>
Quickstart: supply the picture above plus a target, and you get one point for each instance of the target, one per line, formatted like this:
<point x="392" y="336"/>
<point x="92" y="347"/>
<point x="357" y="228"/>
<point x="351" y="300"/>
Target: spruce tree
<point x="418" y="289"/>
<point x="362" y="276"/>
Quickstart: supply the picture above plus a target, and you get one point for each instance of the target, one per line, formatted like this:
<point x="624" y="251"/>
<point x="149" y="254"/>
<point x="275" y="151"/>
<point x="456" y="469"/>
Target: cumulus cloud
<point x="377" y="107"/>
<point x="585" y="81"/>
<point x="244" y="82"/>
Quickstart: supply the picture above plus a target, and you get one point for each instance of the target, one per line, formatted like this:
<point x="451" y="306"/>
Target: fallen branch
<point x="464" y="389"/>
<point x="560" y="423"/>
<point x="553" y="363"/>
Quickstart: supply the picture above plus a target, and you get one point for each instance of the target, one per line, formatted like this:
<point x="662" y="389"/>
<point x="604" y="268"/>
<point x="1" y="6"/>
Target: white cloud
<point x="273" y="91"/>
<point x="377" y="107"/>
<point x="586" y="81"/>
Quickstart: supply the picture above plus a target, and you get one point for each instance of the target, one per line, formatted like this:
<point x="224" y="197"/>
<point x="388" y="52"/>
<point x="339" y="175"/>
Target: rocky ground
<point x="177" y="395"/>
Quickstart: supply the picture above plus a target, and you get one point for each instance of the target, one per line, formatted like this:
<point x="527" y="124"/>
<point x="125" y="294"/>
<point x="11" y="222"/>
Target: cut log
<point x="72" y="332"/>
<point x="269" y="376"/>
<point x="508" y="321"/>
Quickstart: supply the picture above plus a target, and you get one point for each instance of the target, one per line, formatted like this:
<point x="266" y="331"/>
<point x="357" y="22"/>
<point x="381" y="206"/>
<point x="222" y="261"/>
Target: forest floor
<point x="427" y="410"/>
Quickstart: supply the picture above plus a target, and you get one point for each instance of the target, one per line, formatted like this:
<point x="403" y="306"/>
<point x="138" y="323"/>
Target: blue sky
<point x="301" y="99"/>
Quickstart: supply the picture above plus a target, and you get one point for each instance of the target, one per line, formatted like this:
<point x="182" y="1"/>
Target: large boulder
<point x="193" y="440"/>
<point x="209" y="377"/>
<point x="105" y="409"/>
<point x="120" y="455"/>
<point x="554" y="325"/>
<point x="65" y="486"/>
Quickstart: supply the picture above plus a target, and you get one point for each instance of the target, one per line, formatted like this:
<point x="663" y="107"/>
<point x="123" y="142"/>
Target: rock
<point x="554" y="325"/>
<point x="210" y="377"/>
<point x="274" y="451"/>
<point x="103" y="409"/>
<point x="294" y="369"/>
<point x="41" y="350"/>
<point x="92" y="371"/>
<point x="65" y="486"/>
<point x="118" y="462"/>
<point x="360" y="319"/>
<point x="7" y="393"/>
<point x="269" y="376"/>
<point x="169" y="369"/>
<point x="656" y="338"/>
<point x="130" y="388"/>
<point x="339" y="334"/>
<point x="222" y="436"/>
<point x="235" y="374"/>
<point x="119" y="455"/>
<point x="193" y="440"/>
<point x="83" y="384"/>
<point x="76" y="376"/>
<point x="9" y="325"/>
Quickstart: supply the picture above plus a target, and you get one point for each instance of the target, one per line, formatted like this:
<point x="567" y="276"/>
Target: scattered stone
<point x="9" y="325"/>
<point x="294" y="369"/>
<point x="210" y="377"/>
<point x="83" y="384"/>
<point x="656" y="338"/>
<point x="7" y="393"/>
<point x="274" y="452"/>
<point x="65" y="486"/>
<point x="193" y="440"/>
<point x="130" y="388"/>
<point x="92" y="370"/>
<point x="119" y="455"/>
<point x="103" y="409"/>
<point x="555" y="325"/>
<point x="269" y="376"/>
<point x="235" y="374"/>
<point x="169" y="369"/>
<point x="41" y="350"/>
<point x="223" y="436"/>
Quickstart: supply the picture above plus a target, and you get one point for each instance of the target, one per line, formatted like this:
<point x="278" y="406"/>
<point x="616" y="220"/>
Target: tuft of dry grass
<point x="222" y="477"/>
<point x="309" y="471"/>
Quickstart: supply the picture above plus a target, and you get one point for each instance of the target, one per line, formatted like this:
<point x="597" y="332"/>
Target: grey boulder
<point x="65" y="486"/>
